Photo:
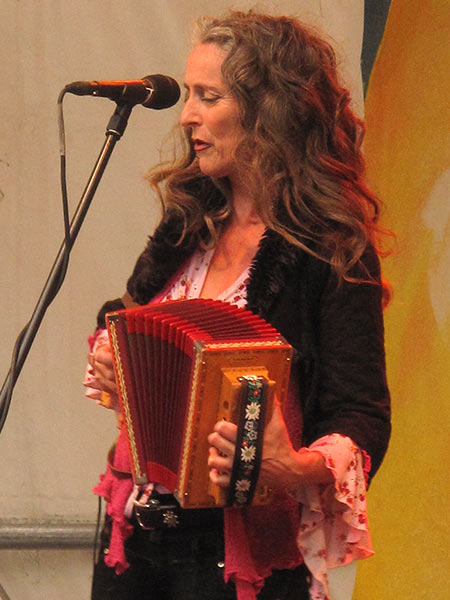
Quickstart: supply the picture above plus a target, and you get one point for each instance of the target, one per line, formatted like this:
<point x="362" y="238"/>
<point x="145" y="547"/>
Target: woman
<point x="266" y="209"/>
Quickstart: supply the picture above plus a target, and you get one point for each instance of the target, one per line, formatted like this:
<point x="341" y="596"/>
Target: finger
<point x="219" y="462"/>
<point x="103" y="354"/>
<point x="227" y="430"/>
<point x="220" y="479"/>
<point x="92" y="383"/>
<point x="110" y="400"/>
<point x="104" y="381"/>
<point x="223" y="445"/>
<point x="109" y="386"/>
<point x="104" y="372"/>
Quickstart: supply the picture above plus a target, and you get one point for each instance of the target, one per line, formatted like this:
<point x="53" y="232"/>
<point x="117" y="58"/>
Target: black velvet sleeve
<point x="352" y="392"/>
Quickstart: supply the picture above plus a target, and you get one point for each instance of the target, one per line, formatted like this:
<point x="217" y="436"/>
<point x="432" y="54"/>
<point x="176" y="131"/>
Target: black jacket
<point x="337" y="332"/>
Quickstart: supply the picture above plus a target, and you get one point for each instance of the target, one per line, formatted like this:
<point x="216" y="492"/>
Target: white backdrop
<point x="54" y="443"/>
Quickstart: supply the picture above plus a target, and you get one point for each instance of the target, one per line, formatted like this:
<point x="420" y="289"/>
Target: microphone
<point x="153" y="91"/>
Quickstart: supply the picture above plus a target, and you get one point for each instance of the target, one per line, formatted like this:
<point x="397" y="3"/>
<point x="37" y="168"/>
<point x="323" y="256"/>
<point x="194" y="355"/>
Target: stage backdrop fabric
<point x="54" y="444"/>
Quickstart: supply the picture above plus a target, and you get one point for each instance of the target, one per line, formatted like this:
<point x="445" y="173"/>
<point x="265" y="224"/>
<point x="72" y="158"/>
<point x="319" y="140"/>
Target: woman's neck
<point x="244" y="212"/>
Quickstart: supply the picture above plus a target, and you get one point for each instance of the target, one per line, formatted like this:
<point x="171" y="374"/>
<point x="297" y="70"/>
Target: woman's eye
<point x="206" y="98"/>
<point x="210" y="99"/>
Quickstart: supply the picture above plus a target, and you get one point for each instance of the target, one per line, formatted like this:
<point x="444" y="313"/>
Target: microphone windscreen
<point x="166" y="92"/>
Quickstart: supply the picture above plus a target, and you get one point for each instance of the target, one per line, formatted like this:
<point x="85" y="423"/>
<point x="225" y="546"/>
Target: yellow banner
<point x="408" y="154"/>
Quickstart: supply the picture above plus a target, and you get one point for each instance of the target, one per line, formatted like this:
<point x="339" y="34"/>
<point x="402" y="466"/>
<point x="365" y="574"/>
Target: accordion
<point x="183" y="365"/>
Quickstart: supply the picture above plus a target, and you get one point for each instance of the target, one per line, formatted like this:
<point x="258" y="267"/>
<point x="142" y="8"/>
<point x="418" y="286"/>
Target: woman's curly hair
<point x="301" y="155"/>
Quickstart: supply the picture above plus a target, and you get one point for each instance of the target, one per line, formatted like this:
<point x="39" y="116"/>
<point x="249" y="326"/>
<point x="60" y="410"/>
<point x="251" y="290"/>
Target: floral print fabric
<point x="334" y="529"/>
<point x="190" y="280"/>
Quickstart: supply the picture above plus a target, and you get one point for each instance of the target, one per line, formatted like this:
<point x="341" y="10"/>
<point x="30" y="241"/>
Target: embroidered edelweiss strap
<point x="247" y="458"/>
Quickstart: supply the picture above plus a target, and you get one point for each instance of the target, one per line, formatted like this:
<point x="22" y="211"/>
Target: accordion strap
<point x="249" y="440"/>
<point x="114" y="470"/>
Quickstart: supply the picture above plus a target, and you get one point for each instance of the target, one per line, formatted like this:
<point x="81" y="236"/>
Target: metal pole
<point x="114" y="131"/>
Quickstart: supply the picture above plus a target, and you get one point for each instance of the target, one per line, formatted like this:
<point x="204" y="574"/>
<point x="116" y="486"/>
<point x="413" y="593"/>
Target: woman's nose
<point x="189" y="115"/>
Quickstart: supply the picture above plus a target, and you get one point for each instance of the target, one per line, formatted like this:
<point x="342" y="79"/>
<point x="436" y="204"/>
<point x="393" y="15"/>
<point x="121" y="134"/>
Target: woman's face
<point x="211" y="113"/>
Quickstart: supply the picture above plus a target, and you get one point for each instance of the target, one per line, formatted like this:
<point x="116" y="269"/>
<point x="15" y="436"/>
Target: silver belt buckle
<point x="151" y="504"/>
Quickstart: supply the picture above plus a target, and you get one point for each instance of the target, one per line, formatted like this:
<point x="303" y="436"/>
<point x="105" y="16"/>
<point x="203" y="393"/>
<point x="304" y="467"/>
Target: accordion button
<point x="221" y="564"/>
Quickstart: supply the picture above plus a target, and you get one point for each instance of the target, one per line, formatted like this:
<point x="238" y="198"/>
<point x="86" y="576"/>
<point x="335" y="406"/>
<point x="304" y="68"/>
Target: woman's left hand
<point x="281" y="465"/>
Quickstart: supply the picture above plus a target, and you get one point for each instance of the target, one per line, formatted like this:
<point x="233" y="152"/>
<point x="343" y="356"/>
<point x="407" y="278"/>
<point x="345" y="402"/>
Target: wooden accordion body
<point x="180" y="368"/>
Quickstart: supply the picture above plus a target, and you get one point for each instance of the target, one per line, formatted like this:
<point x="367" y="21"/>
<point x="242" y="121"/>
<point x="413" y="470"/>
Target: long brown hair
<point x="301" y="154"/>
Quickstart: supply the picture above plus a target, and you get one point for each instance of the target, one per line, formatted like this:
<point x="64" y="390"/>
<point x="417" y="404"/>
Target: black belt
<point x="162" y="512"/>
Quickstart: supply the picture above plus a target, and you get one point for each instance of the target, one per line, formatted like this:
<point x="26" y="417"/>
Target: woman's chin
<point x="212" y="169"/>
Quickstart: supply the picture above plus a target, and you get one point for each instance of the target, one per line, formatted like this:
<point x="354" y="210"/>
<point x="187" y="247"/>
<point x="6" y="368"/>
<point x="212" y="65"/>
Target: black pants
<point x="182" y="565"/>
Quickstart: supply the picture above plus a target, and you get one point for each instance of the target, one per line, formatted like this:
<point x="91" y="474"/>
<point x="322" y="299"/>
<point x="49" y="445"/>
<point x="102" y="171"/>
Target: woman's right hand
<point x="102" y="376"/>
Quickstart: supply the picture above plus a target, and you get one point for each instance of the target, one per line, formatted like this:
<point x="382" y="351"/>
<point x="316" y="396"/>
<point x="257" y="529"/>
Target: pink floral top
<point x="189" y="282"/>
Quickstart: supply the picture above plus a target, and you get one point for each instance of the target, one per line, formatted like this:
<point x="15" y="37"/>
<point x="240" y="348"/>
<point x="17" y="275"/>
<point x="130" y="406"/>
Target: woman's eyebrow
<point x="202" y="86"/>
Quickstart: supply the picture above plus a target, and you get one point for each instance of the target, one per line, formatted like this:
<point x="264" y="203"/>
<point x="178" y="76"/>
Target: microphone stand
<point x="114" y="132"/>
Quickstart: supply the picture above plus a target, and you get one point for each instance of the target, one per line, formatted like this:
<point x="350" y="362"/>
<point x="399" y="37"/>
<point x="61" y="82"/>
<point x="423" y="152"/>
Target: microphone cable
<point x="14" y="368"/>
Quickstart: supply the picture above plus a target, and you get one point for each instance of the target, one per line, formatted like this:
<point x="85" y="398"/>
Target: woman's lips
<point x="200" y="145"/>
